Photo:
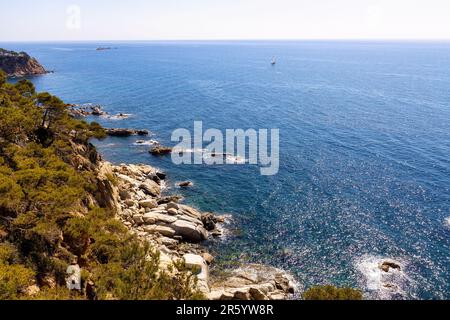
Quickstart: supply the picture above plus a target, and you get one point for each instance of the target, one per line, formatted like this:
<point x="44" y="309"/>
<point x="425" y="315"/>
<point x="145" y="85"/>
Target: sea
<point x="364" y="147"/>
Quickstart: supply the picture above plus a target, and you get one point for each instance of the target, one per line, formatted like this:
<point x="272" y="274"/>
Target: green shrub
<point x="332" y="293"/>
<point x="47" y="177"/>
<point x="14" y="279"/>
<point x="2" y="78"/>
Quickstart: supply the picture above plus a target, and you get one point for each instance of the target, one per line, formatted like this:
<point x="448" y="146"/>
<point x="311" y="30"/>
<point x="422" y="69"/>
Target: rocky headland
<point x="86" y="110"/>
<point x="19" y="64"/>
<point x="135" y="192"/>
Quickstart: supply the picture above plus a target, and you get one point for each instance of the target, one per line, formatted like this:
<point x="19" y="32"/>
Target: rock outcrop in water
<point x="161" y="151"/>
<point x="19" y="64"/>
<point x="120" y="132"/>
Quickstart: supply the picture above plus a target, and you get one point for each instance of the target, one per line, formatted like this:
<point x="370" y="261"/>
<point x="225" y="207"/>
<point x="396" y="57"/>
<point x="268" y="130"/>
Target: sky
<point x="78" y="20"/>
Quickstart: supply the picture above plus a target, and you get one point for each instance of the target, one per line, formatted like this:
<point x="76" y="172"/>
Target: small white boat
<point x="274" y="61"/>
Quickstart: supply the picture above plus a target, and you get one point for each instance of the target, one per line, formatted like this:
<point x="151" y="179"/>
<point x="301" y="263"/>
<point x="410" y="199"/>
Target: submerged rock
<point x="185" y="184"/>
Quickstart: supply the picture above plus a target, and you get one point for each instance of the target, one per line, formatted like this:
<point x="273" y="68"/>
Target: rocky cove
<point x="135" y="193"/>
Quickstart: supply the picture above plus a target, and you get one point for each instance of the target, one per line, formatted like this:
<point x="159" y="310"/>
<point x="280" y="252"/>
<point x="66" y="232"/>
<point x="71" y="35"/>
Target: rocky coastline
<point x="19" y="64"/>
<point x="86" y="110"/>
<point x="136" y="193"/>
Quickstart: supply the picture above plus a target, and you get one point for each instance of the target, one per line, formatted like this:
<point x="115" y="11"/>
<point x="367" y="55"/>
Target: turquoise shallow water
<point x="365" y="146"/>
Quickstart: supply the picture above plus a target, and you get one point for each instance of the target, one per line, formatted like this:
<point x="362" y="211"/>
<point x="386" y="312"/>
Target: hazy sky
<point x="23" y="20"/>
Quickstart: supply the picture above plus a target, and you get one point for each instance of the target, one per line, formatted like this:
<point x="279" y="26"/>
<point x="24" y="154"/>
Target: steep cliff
<point x="19" y="64"/>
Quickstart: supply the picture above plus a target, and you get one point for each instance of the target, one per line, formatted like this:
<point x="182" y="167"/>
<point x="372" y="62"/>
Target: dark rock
<point x="86" y="110"/>
<point x="216" y="233"/>
<point x="209" y="221"/>
<point x="141" y="132"/>
<point x="388" y="265"/>
<point x="125" y="132"/>
<point x="155" y="178"/>
<point x="185" y="184"/>
<point x="161" y="175"/>
<point x="96" y="111"/>
<point x="161" y="151"/>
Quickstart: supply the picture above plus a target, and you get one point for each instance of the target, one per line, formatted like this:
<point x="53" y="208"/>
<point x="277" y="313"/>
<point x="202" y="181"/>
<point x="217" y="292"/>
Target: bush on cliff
<point x="2" y="78"/>
<point x="332" y="293"/>
<point x="48" y="216"/>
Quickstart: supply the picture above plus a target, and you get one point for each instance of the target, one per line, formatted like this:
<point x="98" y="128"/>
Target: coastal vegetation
<point x="60" y="205"/>
<point x="332" y="293"/>
<point x="49" y="215"/>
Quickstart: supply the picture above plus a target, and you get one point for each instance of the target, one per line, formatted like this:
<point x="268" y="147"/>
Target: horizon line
<point x="240" y="40"/>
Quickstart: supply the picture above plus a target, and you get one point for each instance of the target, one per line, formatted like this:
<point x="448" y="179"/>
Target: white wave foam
<point x="177" y="150"/>
<point x="109" y="145"/>
<point x="380" y="284"/>
<point x="146" y="143"/>
<point x="447" y="222"/>
<point x="236" y="159"/>
<point x="121" y="116"/>
<point x="224" y="227"/>
<point x="163" y="185"/>
<point x="207" y="154"/>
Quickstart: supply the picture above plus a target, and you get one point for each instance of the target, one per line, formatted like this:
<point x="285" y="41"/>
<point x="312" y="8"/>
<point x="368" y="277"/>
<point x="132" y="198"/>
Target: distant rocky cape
<point x="19" y="64"/>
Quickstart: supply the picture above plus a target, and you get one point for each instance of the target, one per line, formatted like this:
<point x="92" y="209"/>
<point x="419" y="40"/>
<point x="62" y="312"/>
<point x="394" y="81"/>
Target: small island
<point x="19" y="64"/>
<point x="104" y="48"/>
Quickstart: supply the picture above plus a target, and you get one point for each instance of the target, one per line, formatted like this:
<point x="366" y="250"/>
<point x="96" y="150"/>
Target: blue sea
<point x="364" y="137"/>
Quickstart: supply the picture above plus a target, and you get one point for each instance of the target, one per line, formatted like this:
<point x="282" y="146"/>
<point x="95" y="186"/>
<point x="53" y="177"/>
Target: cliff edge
<point x="19" y="64"/>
